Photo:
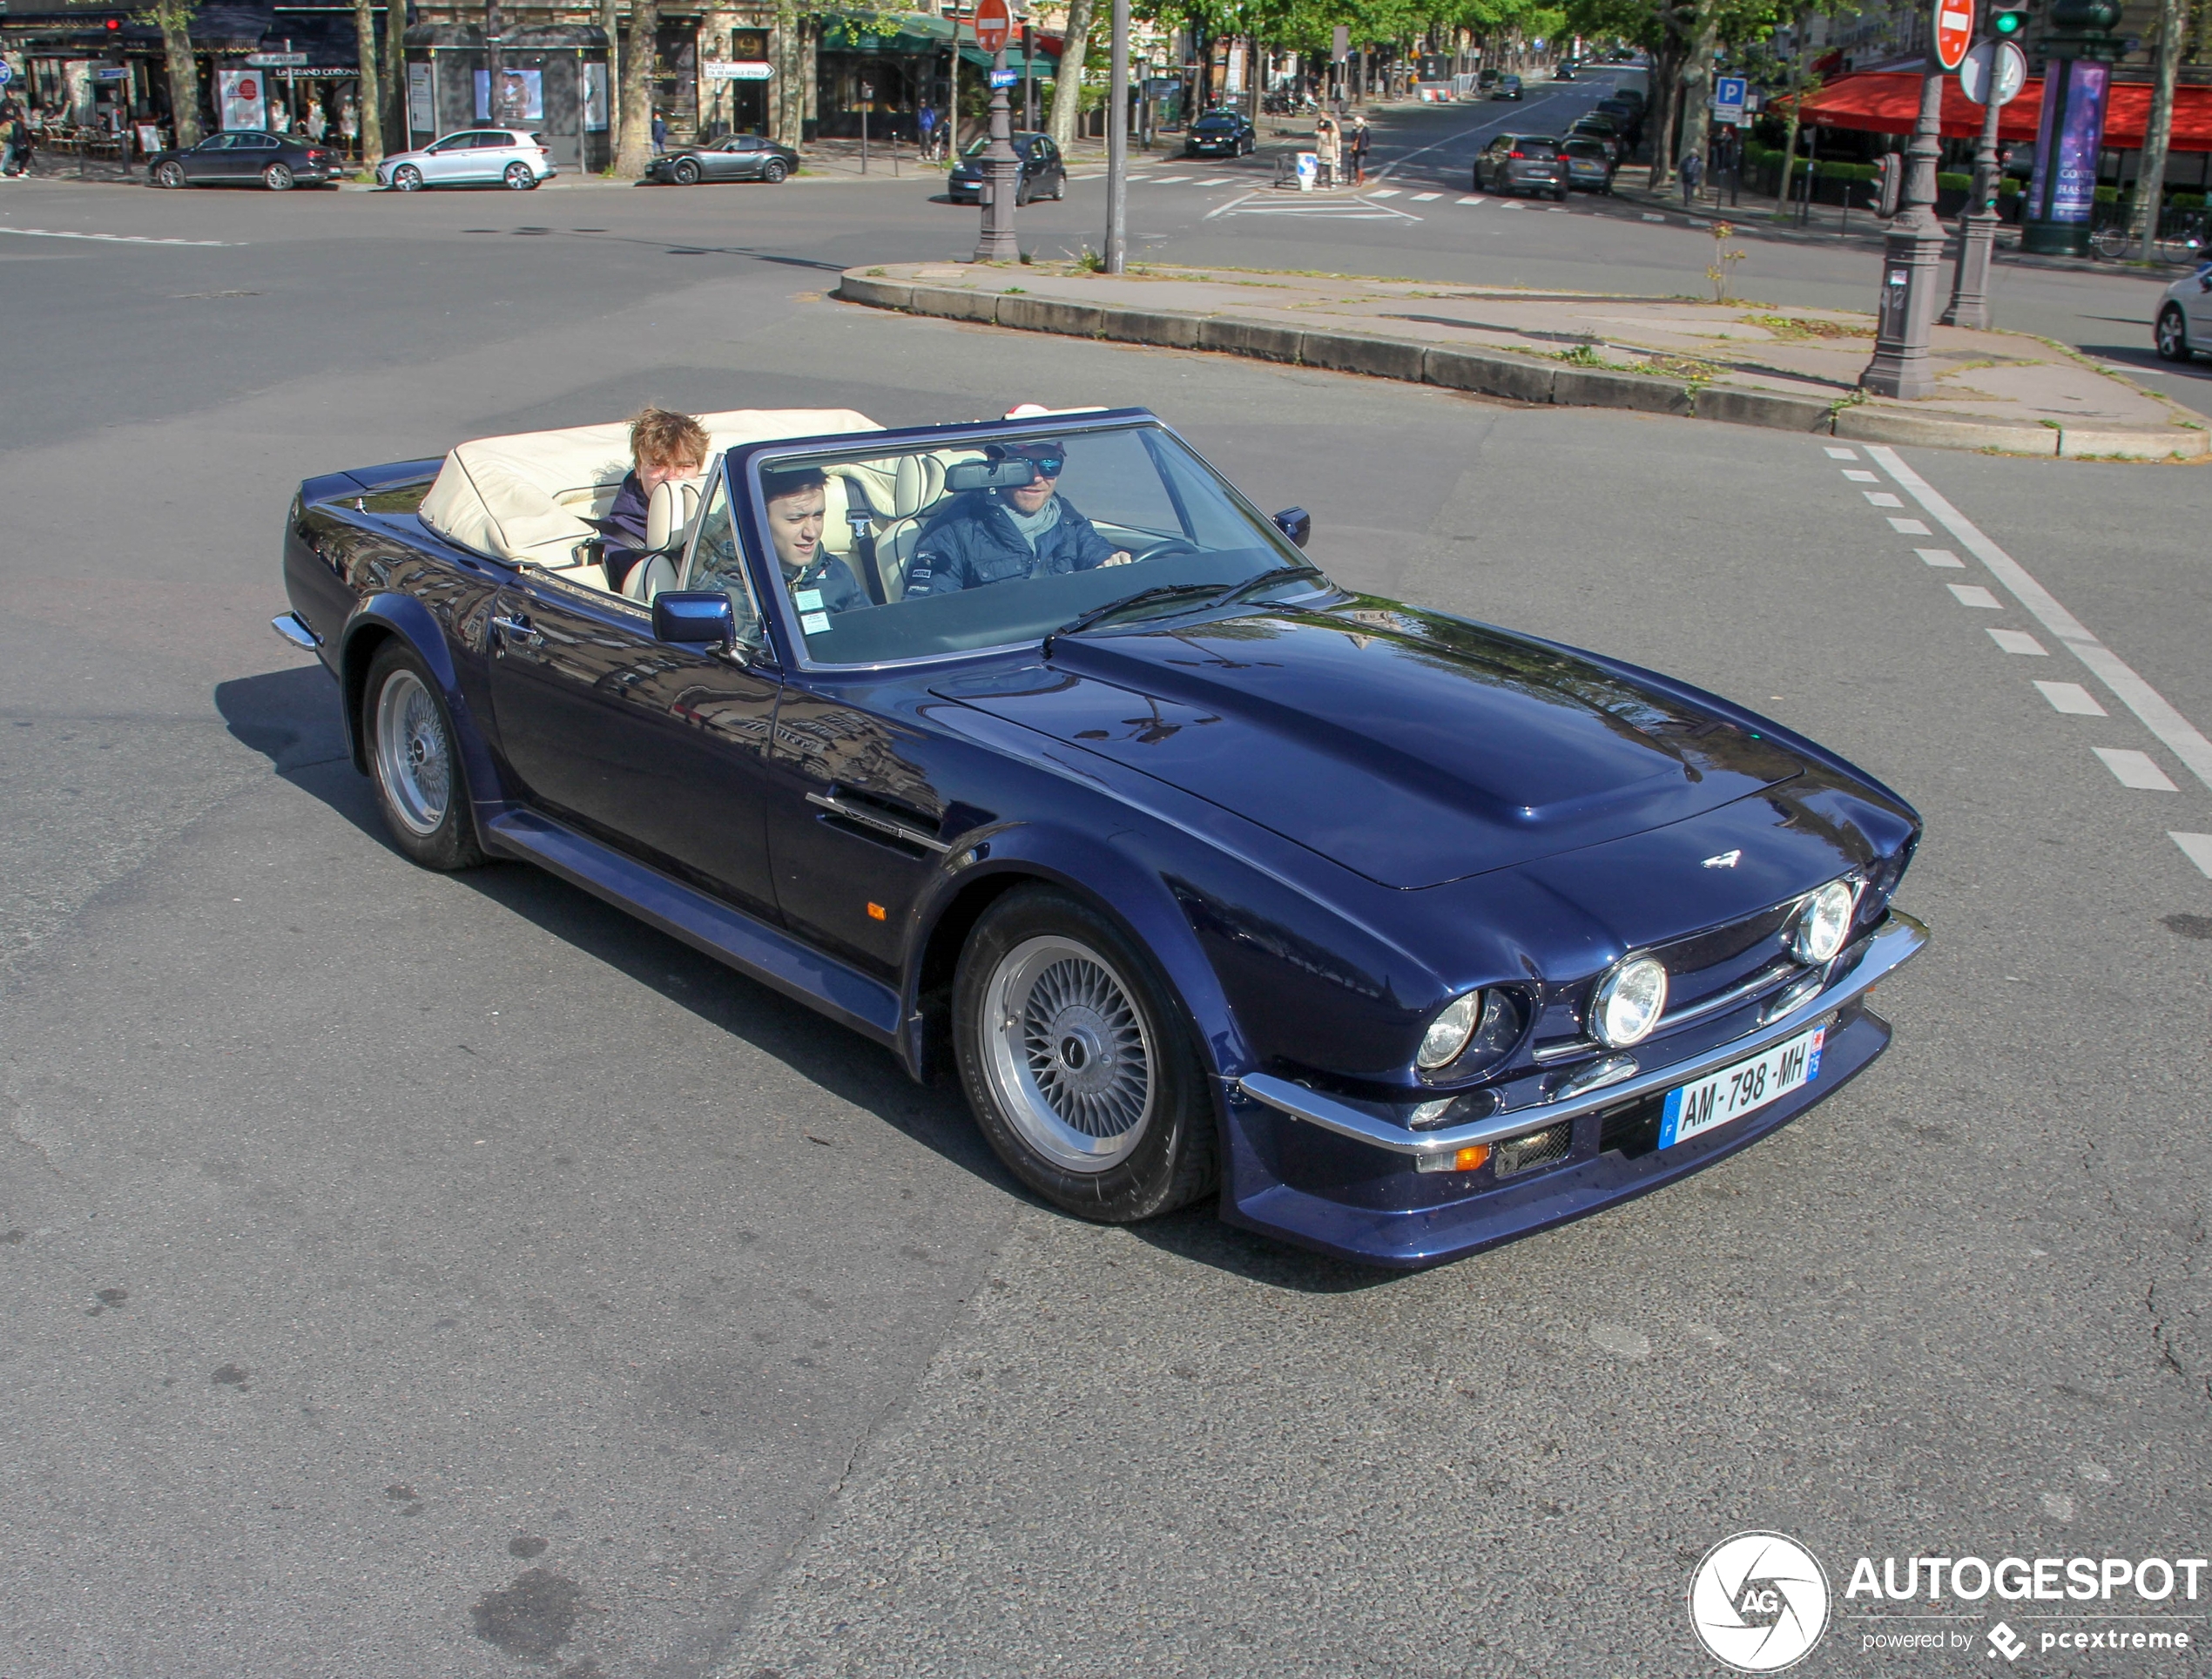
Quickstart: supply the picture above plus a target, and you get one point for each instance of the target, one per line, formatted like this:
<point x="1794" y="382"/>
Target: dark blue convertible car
<point x="1033" y="752"/>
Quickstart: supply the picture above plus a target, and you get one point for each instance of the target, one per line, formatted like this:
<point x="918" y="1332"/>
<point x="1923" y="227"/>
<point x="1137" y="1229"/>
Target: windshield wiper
<point x="1251" y="586"/>
<point x="1098" y="614"/>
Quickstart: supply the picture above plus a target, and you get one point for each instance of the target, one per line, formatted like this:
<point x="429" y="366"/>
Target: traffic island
<point x="1741" y="363"/>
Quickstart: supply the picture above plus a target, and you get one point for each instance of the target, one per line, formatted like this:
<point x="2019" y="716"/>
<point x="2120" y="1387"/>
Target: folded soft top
<point x="529" y="496"/>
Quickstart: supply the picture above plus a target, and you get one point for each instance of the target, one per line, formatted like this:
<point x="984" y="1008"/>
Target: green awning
<point x="1045" y="64"/>
<point x="884" y="31"/>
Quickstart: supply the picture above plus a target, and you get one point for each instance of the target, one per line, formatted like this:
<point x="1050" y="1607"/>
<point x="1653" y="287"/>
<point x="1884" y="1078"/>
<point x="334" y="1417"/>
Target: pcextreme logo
<point x="1758" y="1602"/>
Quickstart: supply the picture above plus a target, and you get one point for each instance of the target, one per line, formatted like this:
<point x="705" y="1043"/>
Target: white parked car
<point x="2184" y="319"/>
<point x="477" y="156"/>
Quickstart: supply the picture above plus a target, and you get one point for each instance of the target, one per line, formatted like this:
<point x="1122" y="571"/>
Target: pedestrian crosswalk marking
<point x="1421" y="197"/>
<point x="1511" y="206"/>
<point x="1218" y="180"/>
<point x="1386" y="192"/>
<point x="1651" y="218"/>
<point x="1168" y="180"/>
<point x="1474" y="200"/>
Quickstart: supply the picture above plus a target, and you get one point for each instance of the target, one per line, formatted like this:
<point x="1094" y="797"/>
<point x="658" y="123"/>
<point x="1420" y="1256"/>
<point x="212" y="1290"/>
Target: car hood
<point x="1411" y="747"/>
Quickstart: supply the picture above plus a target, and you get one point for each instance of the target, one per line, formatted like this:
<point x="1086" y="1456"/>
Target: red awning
<point x="1888" y="102"/>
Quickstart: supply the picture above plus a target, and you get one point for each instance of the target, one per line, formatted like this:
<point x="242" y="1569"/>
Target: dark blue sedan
<point x="1032" y="751"/>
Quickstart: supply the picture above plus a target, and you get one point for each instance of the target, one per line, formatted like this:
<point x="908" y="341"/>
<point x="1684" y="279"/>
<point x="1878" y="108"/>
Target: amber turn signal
<point x="875" y="912"/>
<point x="1466" y="1160"/>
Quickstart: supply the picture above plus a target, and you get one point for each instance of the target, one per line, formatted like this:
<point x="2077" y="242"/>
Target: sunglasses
<point x="1048" y="466"/>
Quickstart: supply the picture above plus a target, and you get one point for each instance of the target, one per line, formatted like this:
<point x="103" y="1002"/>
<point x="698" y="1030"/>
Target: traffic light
<point x="2009" y="22"/>
<point x="1888" y="183"/>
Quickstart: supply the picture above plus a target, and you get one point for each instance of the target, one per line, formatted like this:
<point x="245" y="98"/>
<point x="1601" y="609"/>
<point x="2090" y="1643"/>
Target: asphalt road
<point x="408" y="1275"/>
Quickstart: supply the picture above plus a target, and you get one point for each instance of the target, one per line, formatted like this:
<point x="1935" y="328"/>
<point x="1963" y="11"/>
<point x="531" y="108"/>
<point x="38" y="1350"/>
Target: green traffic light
<point x="2008" y="23"/>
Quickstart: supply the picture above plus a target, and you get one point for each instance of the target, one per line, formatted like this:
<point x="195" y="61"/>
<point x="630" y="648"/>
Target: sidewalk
<point x="1797" y="369"/>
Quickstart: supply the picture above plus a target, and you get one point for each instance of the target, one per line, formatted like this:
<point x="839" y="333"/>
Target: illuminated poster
<point x="523" y="101"/>
<point x="241" y="96"/>
<point x="2067" y="141"/>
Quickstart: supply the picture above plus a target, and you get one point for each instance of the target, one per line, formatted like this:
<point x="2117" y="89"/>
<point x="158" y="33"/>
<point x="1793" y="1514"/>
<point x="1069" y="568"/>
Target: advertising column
<point x="2077" y="79"/>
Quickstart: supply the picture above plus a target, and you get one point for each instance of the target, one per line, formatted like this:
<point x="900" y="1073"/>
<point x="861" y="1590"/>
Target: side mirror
<point x="692" y="617"/>
<point x="1295" y="523"/>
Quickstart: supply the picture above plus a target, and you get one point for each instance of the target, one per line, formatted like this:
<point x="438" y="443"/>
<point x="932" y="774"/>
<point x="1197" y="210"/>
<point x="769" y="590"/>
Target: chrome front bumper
<point x="1892" y="944"/>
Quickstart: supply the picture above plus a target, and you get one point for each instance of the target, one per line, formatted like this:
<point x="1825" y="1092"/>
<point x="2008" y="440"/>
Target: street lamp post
<point x="1116" y="253"/>
<point x="1001" y="165"/>
<point x="1909" y="257"/>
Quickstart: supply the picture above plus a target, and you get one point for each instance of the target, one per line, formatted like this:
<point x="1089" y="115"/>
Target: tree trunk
<point x="638" y="90"/>
<point x="395" y="74"/>
<point x="1697" y="81"/>
<point x="1666" y="71"/>
<point x="174" y="16"/>
<point x="789" y="103"/>
<point x="1253" y="80"/>
<point x="2151" y="185"/>
<point x="610" y="22"/>
<point x="1068" y="86"/>
<point x="368" y="101"/>
<point x="1802" y="27"/>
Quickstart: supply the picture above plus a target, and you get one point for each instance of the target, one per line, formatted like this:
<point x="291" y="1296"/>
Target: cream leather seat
<point x="895" y="494"/>
<point x="528" y="497"/>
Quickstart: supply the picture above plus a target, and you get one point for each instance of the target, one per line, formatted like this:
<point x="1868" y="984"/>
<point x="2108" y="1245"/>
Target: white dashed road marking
<point x="1170" y="180"/>
<point x="2135" y="769"/>
<point x="1421" y="197"/>
<point x="1218" y="180"/>
<point x="1843" y="455"/>
<point x="2197" y="847"/>
<point x="1857" y="476"/>
<point x="1472" y="200"/>
<point x="2018" y="641"/>
<point x="1940" y="557"/>
<point x="2173" y="730"/>
<point x="2072" y="698"/>
<point x="1972" y="594"/>
<point x="1649" y="218"/>
<point x="1881" y="498"/>
<point x="114" y="239"/>
<point x="1909" y="528"/>
<point x="1384" y="192"/>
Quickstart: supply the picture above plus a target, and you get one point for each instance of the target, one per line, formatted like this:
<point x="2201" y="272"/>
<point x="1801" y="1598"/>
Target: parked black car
<point x="247" y="156"/>
<point x="1220" y="134"/>
<point x="1044" y="173"/>
<point x="732" y="157"/>
<point x="1606" y="133"/>
<point x="1521" y="163"/>
<point x="1625" y="115"/>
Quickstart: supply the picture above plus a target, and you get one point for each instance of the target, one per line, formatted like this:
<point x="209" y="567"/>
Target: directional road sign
<point x="2011" y="73"/>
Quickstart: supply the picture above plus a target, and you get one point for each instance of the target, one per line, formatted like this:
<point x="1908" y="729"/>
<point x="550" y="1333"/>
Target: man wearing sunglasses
<point x="995" y="536"/>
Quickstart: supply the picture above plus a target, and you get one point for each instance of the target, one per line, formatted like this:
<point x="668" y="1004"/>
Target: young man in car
<point x="663" y="447"/>
<point x="797" y="504"/>
<point x="993" y="535"/>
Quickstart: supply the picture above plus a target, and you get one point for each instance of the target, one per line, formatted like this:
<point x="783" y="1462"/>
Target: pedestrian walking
<point x="925" y="126"/>
<point x="660" y="134"/>
<point x="1692" y="170"/>
<point x="1328" y="147"/>
<point x="14" y="140"/>
<point x="1359" y="150"/>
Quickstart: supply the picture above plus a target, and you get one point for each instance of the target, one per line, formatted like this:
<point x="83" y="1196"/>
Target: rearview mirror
<point x="991" y="474"/>
<point x="694" y="617"/>
<point x="1295" y="523"/>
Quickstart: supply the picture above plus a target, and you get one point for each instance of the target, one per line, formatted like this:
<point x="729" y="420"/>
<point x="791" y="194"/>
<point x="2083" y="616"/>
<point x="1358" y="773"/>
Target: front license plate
<point x="1734" y="1091"/>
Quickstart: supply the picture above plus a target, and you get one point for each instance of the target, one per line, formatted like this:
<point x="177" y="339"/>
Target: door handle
<point x="517" y="630"/>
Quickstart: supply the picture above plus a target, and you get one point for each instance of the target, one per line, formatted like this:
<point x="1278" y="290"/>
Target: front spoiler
<point x="1896" y="941"/>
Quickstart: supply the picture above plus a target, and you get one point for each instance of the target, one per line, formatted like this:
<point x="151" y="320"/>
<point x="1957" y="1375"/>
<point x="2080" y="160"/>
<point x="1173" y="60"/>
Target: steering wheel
<point x="1167" y="548"/>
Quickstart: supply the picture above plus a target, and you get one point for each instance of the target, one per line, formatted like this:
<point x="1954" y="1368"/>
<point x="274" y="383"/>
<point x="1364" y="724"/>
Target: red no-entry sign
<point x="992" y="24"/>
<point x="1954" y="30"/>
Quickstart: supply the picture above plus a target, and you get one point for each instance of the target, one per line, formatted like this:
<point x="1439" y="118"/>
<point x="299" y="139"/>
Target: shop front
<point x="553" y="81"/>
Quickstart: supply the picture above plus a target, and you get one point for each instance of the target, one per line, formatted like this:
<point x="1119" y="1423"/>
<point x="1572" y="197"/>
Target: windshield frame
<point x="742" y="466"/>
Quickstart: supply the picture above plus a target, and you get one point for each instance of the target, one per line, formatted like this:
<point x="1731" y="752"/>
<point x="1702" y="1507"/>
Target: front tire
<point x="686" y="173"/>
<point x="2172" y="334"/>
<point x="1077" y="1063"/>
<point x="170" y="176"/>
<point x="277" y="177"/>
<point x="414" y="757"/>
<point x="407" y="178"/>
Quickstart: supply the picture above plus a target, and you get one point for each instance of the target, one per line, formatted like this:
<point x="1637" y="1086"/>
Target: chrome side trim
<point x="868" y="819"/>
<point x="1895" y="942"/>
<point x="294" y="629"/>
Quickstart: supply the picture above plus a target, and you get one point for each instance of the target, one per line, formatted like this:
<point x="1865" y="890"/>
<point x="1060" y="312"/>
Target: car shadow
<point x="1198" y="1236"/>
<point x="292" y="717"/>
<point x="2147" y="359"/>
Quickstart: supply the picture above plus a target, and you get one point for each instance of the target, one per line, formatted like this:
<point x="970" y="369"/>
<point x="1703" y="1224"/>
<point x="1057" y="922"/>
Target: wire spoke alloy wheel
<point x="1068" y="1055"/>
<point x="413" y="757"/>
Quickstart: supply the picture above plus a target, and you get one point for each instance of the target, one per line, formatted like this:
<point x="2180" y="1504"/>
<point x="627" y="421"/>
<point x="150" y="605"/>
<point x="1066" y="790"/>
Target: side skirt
<point x="751" y="946"/>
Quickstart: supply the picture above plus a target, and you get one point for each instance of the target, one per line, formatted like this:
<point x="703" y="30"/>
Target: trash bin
<point x="1309" y="170"/>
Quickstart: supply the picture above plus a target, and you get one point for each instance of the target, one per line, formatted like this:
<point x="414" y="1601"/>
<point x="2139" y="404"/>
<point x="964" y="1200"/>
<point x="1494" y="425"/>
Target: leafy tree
<point x="173" y="19"/>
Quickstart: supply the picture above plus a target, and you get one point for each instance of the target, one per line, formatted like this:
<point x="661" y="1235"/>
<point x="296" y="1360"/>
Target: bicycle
<point x="2186" y="241"/>
<point x="2112" y="241"/>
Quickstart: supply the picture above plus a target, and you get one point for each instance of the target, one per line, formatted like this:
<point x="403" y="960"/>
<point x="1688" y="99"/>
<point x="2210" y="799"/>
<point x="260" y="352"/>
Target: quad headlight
<point x="1448" y="1033"/>
<point x="1629" y="1001"/>
<point x="1823" y="922"/>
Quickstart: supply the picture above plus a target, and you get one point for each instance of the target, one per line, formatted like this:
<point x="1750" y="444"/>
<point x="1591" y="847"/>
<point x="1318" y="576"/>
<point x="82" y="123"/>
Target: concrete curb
<point x="1501" y="373"/>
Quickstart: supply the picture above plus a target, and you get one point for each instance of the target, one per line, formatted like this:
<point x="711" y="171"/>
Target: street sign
<point x="7" y="72"/>
<point x="1728" y="98"/>
<point x="1954" y="30"/>
<point x="993" y="24"/>
<point x="1006" y="79"/>
<point x="2011" y="75"/>
<point x="739" y="69"/>
<point x="277" y="60"/>
<point x="1341" y="43"/>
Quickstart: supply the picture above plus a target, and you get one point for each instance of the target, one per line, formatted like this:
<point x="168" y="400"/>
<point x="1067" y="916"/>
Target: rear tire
<point x="1077" y="1061"/>
<point x="519" y="177"/>
<point x="278" y="178"/>
<point x="2172" y="334"/>
<point x="415" y="758"/>
<point x="773" y="171"/>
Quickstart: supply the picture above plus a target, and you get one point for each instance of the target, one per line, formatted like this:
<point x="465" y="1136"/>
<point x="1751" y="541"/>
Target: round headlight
<point x="1448" y="1033"/>
<point x="1629" y="1002"/>
<point x="1823" y="923"/>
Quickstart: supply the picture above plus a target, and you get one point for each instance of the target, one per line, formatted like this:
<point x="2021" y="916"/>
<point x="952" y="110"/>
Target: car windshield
<point x="1539" y="149"/>
<point x="1021" y="143"/>
<point x="1214" y="125"/>
<point x="1583" y="149"/>
<point x="929" y="551"/>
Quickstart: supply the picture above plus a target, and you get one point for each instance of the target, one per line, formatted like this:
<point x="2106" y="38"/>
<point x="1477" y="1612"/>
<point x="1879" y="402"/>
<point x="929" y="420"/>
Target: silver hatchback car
<point x="2183" y="326"/>
<point x="477" y="156"/>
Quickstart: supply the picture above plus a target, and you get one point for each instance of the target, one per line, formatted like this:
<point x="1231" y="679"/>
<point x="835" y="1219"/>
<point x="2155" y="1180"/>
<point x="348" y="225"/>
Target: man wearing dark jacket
<point x="993" y="535"/>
